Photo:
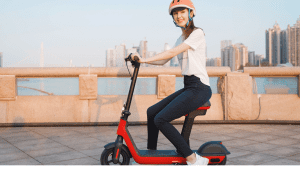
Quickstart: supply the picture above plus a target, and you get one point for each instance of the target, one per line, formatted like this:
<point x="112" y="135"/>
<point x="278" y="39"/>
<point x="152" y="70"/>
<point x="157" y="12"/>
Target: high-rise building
<point x="251" y="58"/>
<point x="243" y="53"/>
<point x="259" y="59"/>
<point x="143" y="48"/>
<point x="293" y="43"/>
<point x="234" y="56"/>
<point x="111" y="58"/>
<point x="1" y="59"/>
<point x="215" y="62"/>
<point x="273" y="46"/>
<point x="120" y="55"/>
<point x="224" y="56"/>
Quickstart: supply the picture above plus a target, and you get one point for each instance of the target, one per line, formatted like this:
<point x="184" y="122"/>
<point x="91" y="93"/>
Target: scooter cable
<point x="128" y="70"/>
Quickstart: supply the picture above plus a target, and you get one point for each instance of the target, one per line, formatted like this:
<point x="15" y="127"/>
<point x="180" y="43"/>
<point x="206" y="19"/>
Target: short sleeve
<point x="195" y="39"/>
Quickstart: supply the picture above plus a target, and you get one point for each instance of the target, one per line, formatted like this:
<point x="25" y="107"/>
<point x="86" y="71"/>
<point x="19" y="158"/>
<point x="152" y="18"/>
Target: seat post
<point x="187" y="128"/>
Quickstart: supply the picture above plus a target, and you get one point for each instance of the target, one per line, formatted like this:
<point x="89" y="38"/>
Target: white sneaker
<point x="200" y="161"/>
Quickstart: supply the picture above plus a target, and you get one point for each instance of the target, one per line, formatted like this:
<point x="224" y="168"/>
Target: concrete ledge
<point x="272" y="71"/>
<point x="137" y="123"/>
<point x="103" y="72"/>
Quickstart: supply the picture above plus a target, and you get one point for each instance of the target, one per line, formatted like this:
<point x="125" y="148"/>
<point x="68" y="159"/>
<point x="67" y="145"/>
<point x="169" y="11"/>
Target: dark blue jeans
<point x="191" y="97"/>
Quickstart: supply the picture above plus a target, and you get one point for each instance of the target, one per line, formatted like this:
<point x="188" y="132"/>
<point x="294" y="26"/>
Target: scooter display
<point x="118" y="153"/>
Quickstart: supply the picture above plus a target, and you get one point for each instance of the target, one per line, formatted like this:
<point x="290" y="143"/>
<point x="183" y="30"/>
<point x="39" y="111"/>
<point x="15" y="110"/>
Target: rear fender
<point x="213" y="148"/>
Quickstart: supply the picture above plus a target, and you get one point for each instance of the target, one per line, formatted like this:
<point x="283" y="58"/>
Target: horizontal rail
<point x="137" y="123"/>
<point x="103" y="72"/>
<point x="272" y="71"/>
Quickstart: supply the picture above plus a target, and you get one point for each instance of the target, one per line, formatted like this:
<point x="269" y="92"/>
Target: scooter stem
<point x="132" y="86"/>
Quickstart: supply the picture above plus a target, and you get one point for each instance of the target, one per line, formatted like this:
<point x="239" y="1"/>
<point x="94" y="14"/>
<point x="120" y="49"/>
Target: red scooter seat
<point x="201" y="111"/>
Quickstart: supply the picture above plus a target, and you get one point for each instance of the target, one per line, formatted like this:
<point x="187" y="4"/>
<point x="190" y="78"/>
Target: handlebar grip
<point x="136" y="58"/>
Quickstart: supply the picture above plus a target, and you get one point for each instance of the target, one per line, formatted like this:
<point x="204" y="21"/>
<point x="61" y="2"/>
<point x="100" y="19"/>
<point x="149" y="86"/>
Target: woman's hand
<point x="140" y="60"/>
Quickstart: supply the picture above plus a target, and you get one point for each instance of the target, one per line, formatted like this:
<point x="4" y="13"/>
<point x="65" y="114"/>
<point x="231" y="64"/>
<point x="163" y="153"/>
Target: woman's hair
<point x="191" y="27"/>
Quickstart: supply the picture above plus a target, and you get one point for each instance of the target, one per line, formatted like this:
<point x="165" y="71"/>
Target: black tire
<point x="107" y="155"/>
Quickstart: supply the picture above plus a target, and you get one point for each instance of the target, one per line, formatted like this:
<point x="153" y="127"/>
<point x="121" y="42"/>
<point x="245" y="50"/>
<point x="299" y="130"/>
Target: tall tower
<point x="273" y="46"/>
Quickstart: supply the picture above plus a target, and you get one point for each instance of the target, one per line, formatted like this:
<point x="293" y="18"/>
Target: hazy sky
<point x="82" y="30"/>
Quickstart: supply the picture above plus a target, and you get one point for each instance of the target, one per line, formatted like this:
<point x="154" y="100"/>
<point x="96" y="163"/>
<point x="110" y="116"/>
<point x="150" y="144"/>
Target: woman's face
<point x="181" y="17"/>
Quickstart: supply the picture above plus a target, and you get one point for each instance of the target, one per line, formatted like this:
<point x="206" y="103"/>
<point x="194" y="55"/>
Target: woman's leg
<point x="151" y="113"/>
<point x="186" y="102"/>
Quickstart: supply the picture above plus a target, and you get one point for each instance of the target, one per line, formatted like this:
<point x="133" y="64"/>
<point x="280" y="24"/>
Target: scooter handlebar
<point x="129" y="58"/>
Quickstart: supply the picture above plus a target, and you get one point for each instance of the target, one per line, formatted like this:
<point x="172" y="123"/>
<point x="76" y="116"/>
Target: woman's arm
<point x="167" y="55"/>
<point x="159" y="62"/>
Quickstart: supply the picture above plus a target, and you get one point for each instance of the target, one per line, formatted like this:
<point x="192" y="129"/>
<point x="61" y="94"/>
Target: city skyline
<point x="78" y="31"/>
<point x="283" y="46"/>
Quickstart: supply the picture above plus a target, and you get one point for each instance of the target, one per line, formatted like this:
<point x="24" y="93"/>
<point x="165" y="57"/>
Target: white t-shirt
<point x="193" y="61"/>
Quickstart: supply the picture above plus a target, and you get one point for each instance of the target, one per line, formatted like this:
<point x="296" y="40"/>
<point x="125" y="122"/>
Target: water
<point x="144" y="86"/>
<point x="288" y="85"/>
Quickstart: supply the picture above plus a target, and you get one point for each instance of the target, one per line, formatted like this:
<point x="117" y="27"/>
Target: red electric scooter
<point x="118" y="153"/>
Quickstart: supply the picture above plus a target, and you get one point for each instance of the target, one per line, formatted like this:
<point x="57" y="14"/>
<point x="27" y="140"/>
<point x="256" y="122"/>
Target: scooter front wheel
<point x="107" y="157"/>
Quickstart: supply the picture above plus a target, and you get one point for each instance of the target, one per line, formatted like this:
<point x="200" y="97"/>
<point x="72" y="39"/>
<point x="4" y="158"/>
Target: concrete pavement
<point x="248" y="144"/>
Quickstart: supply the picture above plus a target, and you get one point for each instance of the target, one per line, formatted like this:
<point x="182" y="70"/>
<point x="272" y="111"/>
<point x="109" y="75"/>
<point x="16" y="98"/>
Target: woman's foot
<point x="199" y="161"/>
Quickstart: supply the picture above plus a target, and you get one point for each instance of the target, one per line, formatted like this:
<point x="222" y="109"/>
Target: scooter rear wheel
<point x="107" y="157"/>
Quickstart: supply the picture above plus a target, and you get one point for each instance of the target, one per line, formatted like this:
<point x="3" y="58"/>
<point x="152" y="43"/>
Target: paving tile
<point x="281" y="162"/>
<point x="96" y="157"/>
<point x="296" y="136"/>
<point x="242" y="134"/>
<point x="259" y="147"/>
<point x="166" y="147"/>
<point x="238" y="143"/>
<point x="92" y="152"/>
<point x="262" y="137"/>
<point x="282" y="152"/>
<point x="284" y="141"/>
<point x="16" y="139"/>
<point x="81" y="161"/>
<point x="236" y="152"/>
<point x="138" y="139"/>
<point x="294" y="158"/>
<point x="12" y="157"/>
<point x="39" y="146"/>
<point x="217" y="138"/>
<point x="5" y="145"/>
<point x="201" y="136"/>
<point x="88" y="146"/>
<point x="297" y="128"/>
<point x="2" y="141"/>
<point x="49" y="151"/>
<point x="33" y="142"/>
<point x="60" y="157"/>
<point x="285" y="133"/>
<point x="253" y="159"/>
<point x="27" y="161"/>
<point x="10" y="150"/>
<point x="79" y="141"/>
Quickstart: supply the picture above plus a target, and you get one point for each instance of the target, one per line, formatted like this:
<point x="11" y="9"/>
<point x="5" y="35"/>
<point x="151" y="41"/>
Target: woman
<point x="190" y="49"/>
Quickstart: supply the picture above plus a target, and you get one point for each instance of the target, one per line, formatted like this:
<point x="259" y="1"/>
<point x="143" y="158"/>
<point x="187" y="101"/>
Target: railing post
<point x="165" y="85"/>
<point x="88" y="90"/>
<point x="239" y="96"/>
<point x="7" y="87"/>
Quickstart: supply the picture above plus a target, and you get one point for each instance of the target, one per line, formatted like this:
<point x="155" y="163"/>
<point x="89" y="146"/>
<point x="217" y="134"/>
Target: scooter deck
<point x="160" y="153"/>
